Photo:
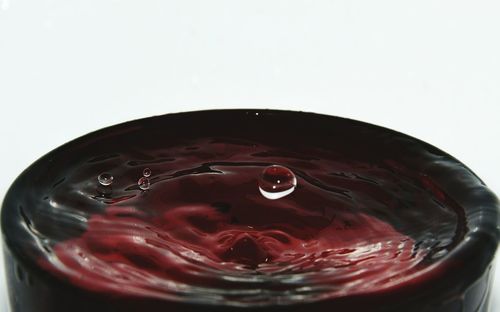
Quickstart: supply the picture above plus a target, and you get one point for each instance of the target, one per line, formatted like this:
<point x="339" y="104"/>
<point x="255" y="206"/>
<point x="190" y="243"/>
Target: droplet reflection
<point x="276" y="182"/>
<point x="143" y="183"/>
<point x="105" y="179"/>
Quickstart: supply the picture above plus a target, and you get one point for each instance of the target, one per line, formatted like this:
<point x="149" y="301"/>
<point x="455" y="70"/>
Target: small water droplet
<point x="277" y="182"/>
<point x="143" y="183"/>
<point x="146" y="172"/>
<point x="105" y="179"/>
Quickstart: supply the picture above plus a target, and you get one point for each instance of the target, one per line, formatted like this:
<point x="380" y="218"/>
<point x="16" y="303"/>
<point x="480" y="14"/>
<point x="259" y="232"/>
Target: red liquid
<point x="353" y="233"/>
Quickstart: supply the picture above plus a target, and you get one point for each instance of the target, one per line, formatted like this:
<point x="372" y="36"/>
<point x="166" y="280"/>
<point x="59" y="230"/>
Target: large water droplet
<point x="143" y="183"/>
<point x="105" y="179"/>
<point x="146" y="172"/>
<point x="277" y="182"/>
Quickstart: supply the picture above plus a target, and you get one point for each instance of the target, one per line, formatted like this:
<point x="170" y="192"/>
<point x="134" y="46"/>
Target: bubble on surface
<point x="105" y="179"/>
<point x="146" y="172"/>
<point x="276" y="182"/>
<point x="143" y="183"/>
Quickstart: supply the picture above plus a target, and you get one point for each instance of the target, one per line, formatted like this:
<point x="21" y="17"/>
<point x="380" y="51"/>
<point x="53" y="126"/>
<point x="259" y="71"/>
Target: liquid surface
<point x="199" y="229"/>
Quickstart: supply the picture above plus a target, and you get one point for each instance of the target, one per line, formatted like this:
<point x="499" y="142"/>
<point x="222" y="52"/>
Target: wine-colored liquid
<point x="181" y="224"/>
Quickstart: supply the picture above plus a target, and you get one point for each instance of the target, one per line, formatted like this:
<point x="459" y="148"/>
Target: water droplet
<point x="146" y="172"/>
<point x="105" y="179"/>
<point x="143" y="183"/>
<point x="277" y="182"/>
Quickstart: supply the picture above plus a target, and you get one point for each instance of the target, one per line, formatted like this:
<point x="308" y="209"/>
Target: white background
<point x="428" y="68"/>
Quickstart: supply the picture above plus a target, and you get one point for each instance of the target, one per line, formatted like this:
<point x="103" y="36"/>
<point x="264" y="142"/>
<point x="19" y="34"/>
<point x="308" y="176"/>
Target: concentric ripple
<point x="203" y="232"/>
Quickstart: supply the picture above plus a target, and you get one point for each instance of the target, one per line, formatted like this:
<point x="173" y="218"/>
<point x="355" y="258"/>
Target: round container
<point x="455" y="275"/>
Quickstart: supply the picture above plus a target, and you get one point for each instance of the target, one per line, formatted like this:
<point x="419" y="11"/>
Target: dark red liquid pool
<point x="244" y="210"/>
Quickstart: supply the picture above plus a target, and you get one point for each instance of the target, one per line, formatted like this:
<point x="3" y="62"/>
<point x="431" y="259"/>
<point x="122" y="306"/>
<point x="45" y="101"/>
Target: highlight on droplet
<point x="143" y="183"/>
<point x="105" y="179"/>
<point x="277" y="182"/>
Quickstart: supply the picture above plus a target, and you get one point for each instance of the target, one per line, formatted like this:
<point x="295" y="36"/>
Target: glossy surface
<point x="364" y="220"/>
<point x="276" y="182"/>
